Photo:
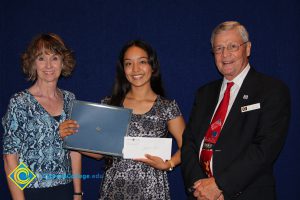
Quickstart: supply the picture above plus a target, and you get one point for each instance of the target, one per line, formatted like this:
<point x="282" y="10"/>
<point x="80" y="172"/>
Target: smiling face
<point x="48" y="66"/>
<point x="137" y="69"/>
<point x="231" y="64"/>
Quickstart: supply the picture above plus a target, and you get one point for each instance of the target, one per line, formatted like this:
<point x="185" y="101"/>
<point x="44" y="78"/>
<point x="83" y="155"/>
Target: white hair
<point x="230" y="25"/>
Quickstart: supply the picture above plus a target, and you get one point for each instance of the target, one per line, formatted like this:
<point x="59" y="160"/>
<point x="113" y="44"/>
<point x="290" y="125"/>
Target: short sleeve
<point x="69" y="98"/>
<point x="12" y="124"/>
<point x="173" y="110"/>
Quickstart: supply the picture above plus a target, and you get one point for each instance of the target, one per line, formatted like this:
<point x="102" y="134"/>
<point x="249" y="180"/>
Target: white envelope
<point x="137" y="147"/>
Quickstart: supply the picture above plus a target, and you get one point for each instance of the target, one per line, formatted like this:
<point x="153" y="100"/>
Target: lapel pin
<point x="245" y="96"/>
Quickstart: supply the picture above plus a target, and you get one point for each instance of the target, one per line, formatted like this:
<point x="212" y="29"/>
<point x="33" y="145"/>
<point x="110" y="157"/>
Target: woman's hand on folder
<point x="68" y="127"/>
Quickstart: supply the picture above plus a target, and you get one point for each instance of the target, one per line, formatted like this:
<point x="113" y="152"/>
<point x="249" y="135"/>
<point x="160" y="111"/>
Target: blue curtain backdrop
<point x="180" y="31"/>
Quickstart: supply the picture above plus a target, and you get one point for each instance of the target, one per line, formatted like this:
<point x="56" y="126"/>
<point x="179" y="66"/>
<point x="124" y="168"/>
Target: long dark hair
<point x="122" y="86"/>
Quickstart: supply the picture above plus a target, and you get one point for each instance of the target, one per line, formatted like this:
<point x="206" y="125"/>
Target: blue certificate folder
<point x="102" y="128"/>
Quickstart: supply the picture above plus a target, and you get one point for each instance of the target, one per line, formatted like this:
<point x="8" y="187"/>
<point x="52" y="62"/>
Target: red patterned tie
<point x="213" y="132"/>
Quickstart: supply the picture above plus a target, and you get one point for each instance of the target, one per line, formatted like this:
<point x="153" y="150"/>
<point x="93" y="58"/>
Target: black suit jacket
<point x="249" y="142"/>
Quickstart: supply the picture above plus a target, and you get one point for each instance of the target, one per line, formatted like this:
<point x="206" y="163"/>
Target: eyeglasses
<point x="231" y="47"/>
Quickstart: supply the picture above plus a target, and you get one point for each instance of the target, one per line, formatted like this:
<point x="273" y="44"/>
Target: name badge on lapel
<point x="250" y="107"/>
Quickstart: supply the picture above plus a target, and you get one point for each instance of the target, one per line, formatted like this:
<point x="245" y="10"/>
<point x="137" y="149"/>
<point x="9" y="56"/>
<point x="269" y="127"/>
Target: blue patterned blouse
<point x="32" y="133"/>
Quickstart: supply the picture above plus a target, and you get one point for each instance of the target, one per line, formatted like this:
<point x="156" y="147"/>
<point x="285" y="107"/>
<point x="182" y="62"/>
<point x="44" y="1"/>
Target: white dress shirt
<point x="238" y="81"/>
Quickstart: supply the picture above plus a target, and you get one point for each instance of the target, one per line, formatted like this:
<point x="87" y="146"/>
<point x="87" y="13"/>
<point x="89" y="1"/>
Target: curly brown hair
<point x="48" y="42"/>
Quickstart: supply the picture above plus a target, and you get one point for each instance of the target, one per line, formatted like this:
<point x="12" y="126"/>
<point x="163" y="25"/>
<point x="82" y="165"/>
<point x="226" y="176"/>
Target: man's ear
<point x="248" y="49"/>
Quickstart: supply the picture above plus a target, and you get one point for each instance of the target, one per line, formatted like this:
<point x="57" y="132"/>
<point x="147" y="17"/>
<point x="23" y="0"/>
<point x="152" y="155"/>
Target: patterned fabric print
<point x="33" y="134"/>
<point x="129" y="179"/>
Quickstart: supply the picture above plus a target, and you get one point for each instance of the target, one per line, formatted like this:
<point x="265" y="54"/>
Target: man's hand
<point x="207" y="189"/>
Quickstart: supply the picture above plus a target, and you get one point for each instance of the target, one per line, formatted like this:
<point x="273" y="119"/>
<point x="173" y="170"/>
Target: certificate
<point x="137" y="147"/>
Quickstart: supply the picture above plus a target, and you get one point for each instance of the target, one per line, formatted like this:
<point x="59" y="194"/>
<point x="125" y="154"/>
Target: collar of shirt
<point x="238" y="81"/>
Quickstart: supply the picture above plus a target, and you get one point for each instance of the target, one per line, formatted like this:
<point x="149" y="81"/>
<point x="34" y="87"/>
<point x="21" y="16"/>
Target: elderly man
<point x="237" y="127"/>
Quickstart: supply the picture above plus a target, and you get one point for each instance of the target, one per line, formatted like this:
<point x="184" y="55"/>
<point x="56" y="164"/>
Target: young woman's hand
<point x="155" y="162"/>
